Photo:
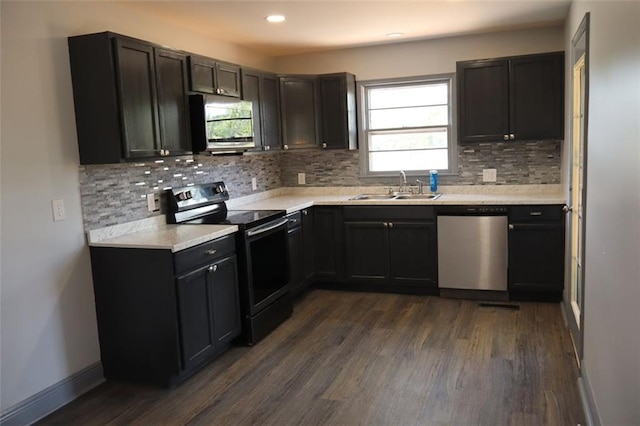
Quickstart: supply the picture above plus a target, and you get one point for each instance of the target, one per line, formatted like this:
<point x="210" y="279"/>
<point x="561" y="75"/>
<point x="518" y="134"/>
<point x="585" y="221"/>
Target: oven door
<point x="267" y="256"/>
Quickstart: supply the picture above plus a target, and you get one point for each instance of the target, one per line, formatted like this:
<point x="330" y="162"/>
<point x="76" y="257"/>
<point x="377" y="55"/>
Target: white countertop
<point x="154" y="233"/>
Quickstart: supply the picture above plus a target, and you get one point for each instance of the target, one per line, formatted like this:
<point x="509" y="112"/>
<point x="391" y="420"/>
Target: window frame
<point x="362" y="88"/>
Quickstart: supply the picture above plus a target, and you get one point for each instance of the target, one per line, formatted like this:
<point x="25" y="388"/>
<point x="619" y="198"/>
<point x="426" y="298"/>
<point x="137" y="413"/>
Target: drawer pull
<point x="210" y="252"/>
<point x="511" y="227"/>
<point x="212" y="268"/>
<point x="535" y="213"/>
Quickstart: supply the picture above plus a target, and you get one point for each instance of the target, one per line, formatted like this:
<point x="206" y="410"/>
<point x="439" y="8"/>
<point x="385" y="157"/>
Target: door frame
<point x="579" y="41"/>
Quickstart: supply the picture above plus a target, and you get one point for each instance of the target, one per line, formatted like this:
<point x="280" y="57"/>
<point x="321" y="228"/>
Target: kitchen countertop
<point x="154" y="233"/>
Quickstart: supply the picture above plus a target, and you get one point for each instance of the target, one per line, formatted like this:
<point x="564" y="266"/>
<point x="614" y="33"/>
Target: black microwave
<point x="220" y="124"/>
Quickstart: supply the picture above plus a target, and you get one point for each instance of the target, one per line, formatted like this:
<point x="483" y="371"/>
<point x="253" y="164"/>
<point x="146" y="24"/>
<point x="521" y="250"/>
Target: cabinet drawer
<point x="389" y="212"/>
<point x="203" y="253"/>
<point x="535" y="213"/>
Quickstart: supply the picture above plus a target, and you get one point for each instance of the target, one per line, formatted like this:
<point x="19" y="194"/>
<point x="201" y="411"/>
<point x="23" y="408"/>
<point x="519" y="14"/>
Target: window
<point x="407" y="125"/>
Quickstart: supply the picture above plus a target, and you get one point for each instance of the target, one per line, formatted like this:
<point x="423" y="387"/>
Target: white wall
<point x="423" y="57"/>
<point x="612" y="261"/>
<point x="48" y="325"/>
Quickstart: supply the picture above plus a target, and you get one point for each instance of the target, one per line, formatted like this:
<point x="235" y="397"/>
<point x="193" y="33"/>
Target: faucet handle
<point x="389" y="189"/>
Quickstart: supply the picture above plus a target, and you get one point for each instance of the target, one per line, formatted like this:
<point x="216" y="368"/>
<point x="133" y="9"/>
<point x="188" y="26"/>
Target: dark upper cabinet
<point x="173" y="108"/>
<point x="338" y="111"/>
<point x="536" y="252"/>
<point x="128" y="99"/>
<point x="299" y="106"/>
<point x="262" y="90"/>
<point x="251" y="92"/>
<point x="270" y="96"/>
<point x="208" y="75"/>
<point x="515" y="98"/>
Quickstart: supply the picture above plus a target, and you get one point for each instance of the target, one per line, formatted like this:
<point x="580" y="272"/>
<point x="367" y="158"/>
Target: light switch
<point x="489" y="175"/>
<point x="254" y="184"/>
<point x="302" y="179"/>
<point x="151" y="202"/>
<point x="58" y="210"/>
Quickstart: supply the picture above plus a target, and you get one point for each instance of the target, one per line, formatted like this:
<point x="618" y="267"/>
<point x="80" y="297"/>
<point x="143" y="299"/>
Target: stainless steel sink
<point x="403" y="196"/>
<point x="373" y="197"/>
<point x="417" y="196"/>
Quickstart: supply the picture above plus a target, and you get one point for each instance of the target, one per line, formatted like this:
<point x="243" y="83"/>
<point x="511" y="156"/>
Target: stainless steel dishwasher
<point x="472" y="247"/>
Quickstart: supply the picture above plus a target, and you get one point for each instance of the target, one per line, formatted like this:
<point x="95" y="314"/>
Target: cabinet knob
<point x="511" y="227"/>
<point x="506" y="137"/>
<point x="166" y="152"/>
<point x="390" y="224"/>
<point x="324" y="145"/>
<point x="212" y="268"/>
<point x="567" y="209"/>
<point x="220" y="91"/>
<point x="512" y="136"/>
<point x="286" y="147"/>
<point x="304" y="212"/>
<point x="267" y="148"/>
<point x="210" y="252"/>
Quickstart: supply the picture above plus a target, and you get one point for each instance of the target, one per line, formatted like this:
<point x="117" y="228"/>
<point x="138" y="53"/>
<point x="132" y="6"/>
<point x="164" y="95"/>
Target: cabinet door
<point x="195" y="314"/>
<point x="298" y="96"/>
<point x="328" y="243"/>
<point x="225" y="301"/>
<point x="228" y="79"/>
<point x="338" y="111"/>
<point x="366" y="251"/>
<point x="412" y="253"/>
<point x="483" y="100"/>
<point x="536" y="258"/>
<point x="270" y="96"/>
<point x="296" y="260"/>
<point x="173" y="107"/>
<point x="536" y="94"/>
<point x="202" y="74"/>
<point x="308" y="237"/>
<point x="251" y="92"/>
<point x="137" y="93"/>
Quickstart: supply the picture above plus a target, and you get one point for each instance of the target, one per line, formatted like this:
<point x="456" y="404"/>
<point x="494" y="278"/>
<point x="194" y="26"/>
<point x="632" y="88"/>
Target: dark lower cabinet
<point x="301" y="250"/>
<point x="328" y="247"/>
<point x="308" y="239"/>
<point x="536" y="253"/>
<point x="162" y="315"/>
<point x="391" y="248"/>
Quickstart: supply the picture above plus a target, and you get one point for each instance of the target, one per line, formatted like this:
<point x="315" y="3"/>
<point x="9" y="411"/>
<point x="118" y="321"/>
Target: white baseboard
<point x="55" y="396"/>
<point x="588" y="403"/>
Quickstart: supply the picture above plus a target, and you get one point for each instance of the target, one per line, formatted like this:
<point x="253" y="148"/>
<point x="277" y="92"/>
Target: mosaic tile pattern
<point x="116" y="193"/>
<point x="517" y="163"/>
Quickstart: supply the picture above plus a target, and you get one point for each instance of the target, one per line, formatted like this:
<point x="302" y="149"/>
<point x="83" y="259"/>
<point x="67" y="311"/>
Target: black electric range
<point x="261" y="247"/>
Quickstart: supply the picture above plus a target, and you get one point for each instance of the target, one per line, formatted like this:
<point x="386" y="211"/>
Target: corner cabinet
<point x="391" y="248"/>
<point x="162" y="315"/>
<point x="536" y="252"/>
<point x="514" y="98"/>
<point x="299" y="104"/>
<point x="130" y="99"/>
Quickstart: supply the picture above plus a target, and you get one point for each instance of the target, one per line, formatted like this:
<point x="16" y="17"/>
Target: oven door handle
<point x="266" y="228"/>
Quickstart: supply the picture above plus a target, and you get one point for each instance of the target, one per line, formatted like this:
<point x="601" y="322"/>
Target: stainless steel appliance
<point x="472" y="247"/>
<point x="262" y="251"/>
<point x="221" y="124"/>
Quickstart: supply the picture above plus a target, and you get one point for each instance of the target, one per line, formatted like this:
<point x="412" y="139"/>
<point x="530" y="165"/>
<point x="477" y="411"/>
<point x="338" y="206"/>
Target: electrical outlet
<point x="58" y="210"/>
<point x="254" y="184"/>
<point x="302" y="179"/>
<point x="151" y="202"/>
<point x="489" y="175"/>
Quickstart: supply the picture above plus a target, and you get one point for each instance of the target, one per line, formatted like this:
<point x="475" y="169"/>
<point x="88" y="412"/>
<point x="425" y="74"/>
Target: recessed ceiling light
<point x="395" y="34"/>
<point x="275" y="18"/>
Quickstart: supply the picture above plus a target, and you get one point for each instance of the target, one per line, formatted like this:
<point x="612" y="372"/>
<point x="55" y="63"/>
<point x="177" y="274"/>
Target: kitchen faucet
<point x="403" y="180"/>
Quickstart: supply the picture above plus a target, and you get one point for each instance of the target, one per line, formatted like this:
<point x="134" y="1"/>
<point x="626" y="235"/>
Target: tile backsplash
<point x="116" y="193"/>
<point x="517" y="163"/>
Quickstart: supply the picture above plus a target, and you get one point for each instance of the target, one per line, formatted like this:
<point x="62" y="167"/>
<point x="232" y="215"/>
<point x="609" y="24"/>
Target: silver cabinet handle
<point x="567" y="209"/>
<point x="210" y="252"/>
<point x="535" y="213"/>
<point x="390" y="224"/>
<point x="304" y="212"/>
<point x="324" y="145"/>
<point x="166" y="152"/>
<point x="512" y="136"/>
<point x="286" y="147"/>
<point x="385" y="224"/>
<point x="511" y="227"/>
<point x="506" y="137"/>
<point x="212" y="268"/>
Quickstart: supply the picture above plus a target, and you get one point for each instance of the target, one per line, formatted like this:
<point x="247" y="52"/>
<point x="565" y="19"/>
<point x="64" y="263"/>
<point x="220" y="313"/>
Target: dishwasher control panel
<point x="472" y="210"/>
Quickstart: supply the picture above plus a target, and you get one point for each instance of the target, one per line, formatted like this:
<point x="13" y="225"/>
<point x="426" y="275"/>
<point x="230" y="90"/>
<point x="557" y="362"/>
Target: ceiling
<point x="314" y="25"/>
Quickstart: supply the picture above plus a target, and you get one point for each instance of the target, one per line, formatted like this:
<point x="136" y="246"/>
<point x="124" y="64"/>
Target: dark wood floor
<point x="362" y="358"/>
